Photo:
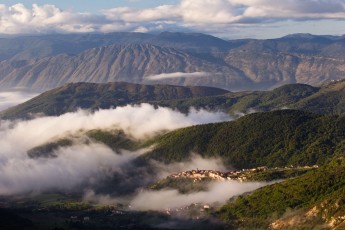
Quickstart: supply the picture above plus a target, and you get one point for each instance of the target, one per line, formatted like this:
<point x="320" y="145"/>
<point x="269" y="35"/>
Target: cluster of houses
<point x="240" y="175"/>
<point x="198" y="175"/>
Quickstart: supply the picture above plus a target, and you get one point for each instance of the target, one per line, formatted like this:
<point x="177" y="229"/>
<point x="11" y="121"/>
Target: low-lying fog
<point x="84" y="165"/>
<point x="14" y="97"/>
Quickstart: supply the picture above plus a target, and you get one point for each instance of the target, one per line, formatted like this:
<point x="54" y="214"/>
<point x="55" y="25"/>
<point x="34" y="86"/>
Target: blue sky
<point x="223" y="18"/>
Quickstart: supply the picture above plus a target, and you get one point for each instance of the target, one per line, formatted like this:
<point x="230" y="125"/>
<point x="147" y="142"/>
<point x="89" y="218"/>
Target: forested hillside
<point x="314" y="200"/>
<point x="272" y="139"/>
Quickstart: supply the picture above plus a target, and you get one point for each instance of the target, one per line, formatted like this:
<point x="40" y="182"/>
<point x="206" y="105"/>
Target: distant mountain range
<point x="48" y="61"/>
<point x="328" y="99"/>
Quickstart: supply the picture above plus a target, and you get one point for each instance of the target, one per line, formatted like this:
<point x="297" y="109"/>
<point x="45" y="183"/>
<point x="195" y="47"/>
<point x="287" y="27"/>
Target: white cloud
<point x="80" y="163"/>
<point x="162" y="171"/>
<point x="160" y="13"/>
<point x="138" y="121"/>
<point x="12" y="98"/>
<point x="73" y="166"/>
<point x="176" y="75"/>
<point x="84" y="166"/>
<point x="43" y="19"/>
<point x="208" y="11"/>
<point x="202" y="15"/>
<point x="218" y="192"/>
<point x="170" y="198"/>
<point x="91" y="197"/>
<point x="293" y="9"/>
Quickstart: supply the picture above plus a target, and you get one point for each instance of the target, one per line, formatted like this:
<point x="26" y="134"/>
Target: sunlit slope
<point x="315" y="200"/>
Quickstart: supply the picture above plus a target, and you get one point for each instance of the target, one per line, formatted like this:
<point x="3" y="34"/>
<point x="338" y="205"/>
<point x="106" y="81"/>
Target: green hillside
<point x="73" y="96"/>
<point x="284" y="96"/>
<point x="313" y="200"/>
<point x="273" y="139"/>
<point x="328" y="99"/>
<point x="117" y="140"/>
<point x="278" y="138"/>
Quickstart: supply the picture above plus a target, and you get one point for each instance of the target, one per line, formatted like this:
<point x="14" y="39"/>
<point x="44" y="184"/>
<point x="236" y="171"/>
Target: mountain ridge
<point x="328" y="99"/>
<point x="94" y="96"/>
<point x="273" y="139"/>
<point x="45" y="62"/>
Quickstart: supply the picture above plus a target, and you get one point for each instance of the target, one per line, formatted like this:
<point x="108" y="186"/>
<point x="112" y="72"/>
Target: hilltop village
<point x="240" y="175"/>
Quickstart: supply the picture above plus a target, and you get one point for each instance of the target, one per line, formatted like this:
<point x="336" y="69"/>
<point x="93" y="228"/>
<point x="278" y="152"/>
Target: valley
<point x="61" y="210"/>
<point x="172" y="130"/>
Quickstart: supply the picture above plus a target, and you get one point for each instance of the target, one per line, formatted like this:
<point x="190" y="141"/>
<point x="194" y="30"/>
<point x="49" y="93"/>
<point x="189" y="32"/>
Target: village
<point x="236" y="175"/>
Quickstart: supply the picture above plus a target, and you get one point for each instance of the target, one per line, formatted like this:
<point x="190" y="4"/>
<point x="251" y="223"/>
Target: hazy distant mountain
<point x="49" y="61"/>
<point x="131" y="63"/>
<point x="40" y="46"/>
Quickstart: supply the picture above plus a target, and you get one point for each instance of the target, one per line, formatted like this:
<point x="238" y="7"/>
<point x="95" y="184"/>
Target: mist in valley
<point x="93" y="170"/>
<point x="13" y="97"/>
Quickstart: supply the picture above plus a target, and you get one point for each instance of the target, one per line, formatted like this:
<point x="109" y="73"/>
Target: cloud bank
<point x="201" y="15"/>
<point x="81" y="163"/>
<point x="218" y="192"/>
<point x="145" y="175"/>
<point x="89" y="168"/>
<point x="74" y="166"/>
<point x="176" y="75"/>
<point x="12" y="98"/>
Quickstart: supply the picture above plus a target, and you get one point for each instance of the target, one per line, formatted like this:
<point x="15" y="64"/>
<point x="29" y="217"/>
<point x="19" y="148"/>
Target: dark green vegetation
<point x="329" y="99"/>
<point x="273" y="139"/>
<point x="10" y="220"/>
<point x="278" y="138"/>
<point x="53" y="211"/>
<point x="115" y="139"/>
<point x="307" y="201"/>
<point x="277" y="174"/>
<point x="47" y="150"/>
<point x="99" y="96"/>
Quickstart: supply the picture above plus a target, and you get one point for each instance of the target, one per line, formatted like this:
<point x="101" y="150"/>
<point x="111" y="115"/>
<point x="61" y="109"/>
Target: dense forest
<point x="279" y="138"/>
